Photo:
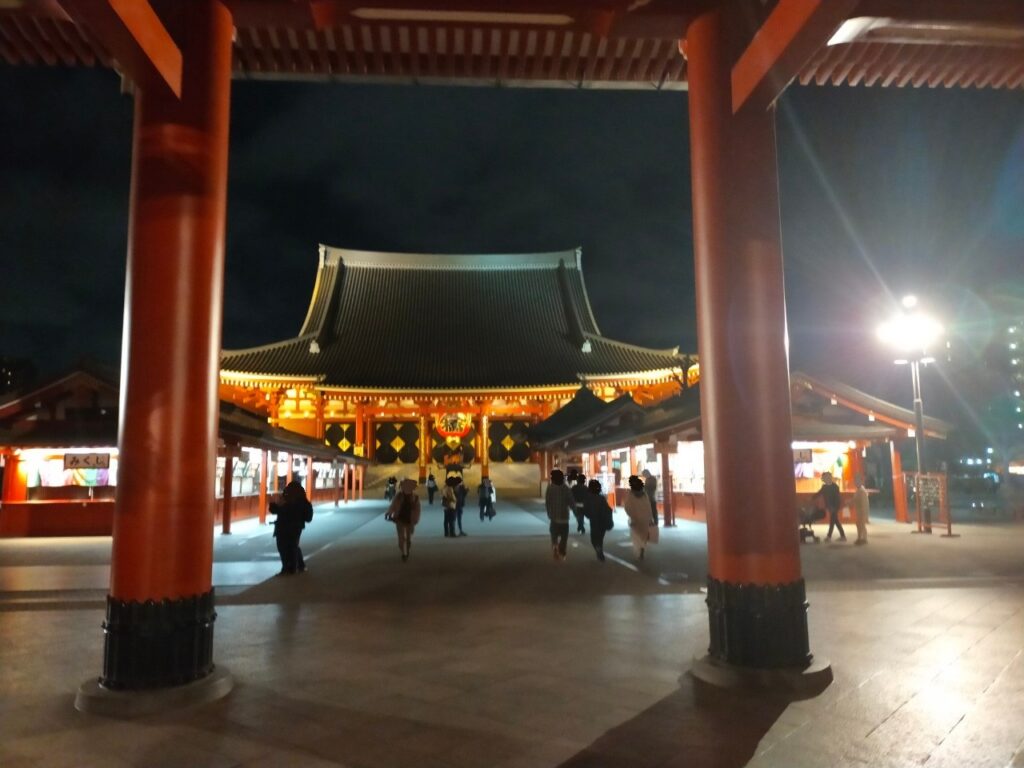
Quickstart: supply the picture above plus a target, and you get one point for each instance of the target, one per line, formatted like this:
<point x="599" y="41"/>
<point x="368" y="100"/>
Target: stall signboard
<point x="86" y="461"/>
<point x="932" y="491"/>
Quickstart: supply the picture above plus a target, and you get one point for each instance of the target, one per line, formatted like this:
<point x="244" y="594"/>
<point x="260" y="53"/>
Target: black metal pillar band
<point x="759" y="625"/>
<point x="157" y="644"/>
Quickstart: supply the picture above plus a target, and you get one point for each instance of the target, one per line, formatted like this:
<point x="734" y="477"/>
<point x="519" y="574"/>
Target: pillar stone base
<point x="95" y="699"/>
<point x="760" y="626"/>
<point x="152" y="645"/>
<point x="803" y="683"/>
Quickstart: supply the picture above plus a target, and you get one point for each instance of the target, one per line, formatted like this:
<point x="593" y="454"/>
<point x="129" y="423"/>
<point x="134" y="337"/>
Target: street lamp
<point x="911" y="332"/>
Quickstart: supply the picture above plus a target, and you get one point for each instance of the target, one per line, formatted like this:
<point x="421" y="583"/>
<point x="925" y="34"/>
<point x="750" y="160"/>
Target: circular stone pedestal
<point x="801" y="683"/>
<point x="97" y="700"/>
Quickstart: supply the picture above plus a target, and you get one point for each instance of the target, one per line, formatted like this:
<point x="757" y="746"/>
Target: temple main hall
<point x="416" y="361"/>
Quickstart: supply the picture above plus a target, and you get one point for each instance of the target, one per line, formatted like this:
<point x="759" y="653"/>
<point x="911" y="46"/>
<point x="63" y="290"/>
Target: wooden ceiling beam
<point x="134" y="35"/>
<point x="788" y="38"/>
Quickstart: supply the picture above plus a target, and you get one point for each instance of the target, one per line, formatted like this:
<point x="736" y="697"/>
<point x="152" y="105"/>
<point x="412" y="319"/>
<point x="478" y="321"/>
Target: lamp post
<point x="911" y="332"/>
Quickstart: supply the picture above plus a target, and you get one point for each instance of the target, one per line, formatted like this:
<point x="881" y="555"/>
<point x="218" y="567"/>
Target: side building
<point x="417" y="361"/>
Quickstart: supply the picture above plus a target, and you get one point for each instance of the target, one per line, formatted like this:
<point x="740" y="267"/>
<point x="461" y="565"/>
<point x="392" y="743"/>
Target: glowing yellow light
<point x="910" y="331"/>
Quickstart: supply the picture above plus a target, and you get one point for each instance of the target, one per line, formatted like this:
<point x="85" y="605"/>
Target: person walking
<point x="596" y="509"/>
<point x="861" y="508"/>
<point x="449" y="500"/>
<point x="638" y="509"/>
<point x="485" y="499"/>
<point x="293" y="511"/>
<point x="404" y="512"/>
<point x="651" y="489"/>
<point x="830" y="496"/>
<point x="461" y="492"/>
<point x="431" y="489"/>
<point x="558" y="502"/>
<point x="579" y="496"/>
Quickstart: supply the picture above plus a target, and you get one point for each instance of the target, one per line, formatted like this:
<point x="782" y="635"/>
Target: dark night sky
<point x="882" y="192"/>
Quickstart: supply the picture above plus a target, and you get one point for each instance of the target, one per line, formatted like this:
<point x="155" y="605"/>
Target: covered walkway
<point x="483" y="652"/>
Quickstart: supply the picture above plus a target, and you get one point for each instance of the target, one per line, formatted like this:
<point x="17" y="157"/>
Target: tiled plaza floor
<point x="481" y="651"/>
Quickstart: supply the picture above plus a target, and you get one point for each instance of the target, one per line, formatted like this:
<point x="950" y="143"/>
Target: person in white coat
<point x="638" y="510"/>
<point x="861" y="508"/>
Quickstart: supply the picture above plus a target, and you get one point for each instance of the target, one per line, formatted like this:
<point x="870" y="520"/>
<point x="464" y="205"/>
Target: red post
<point x="15" y="483"/>
<point x="162" y="548"/>
<point x="424" y="455"/>
<point x="668" y="512"/>
<point x="361" y="477"/>
<point x="899" y="485"/>
<point x="263" y="487"/>
<point x="229" y="473"/>
<point x="310" y="483"/>
<point x="756" y="597"/>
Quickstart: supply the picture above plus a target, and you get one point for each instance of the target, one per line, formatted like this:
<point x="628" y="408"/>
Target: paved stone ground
<point x="482" y="651"/>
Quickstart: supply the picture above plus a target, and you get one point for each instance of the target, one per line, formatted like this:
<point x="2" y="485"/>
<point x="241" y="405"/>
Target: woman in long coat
<point x="638" y="509"/>
<point x="404" y="512"/>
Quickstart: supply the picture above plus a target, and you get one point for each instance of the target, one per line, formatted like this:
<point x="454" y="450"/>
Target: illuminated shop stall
<point x="421" y="361"/>
<point x="60" y="461"/>
<point x="833" y="425"/>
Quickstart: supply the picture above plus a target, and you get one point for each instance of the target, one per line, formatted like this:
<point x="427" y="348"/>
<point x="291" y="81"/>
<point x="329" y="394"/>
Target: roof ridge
<point x="674" y="351"/>
<point x="439" y="261"/>
<point x="268" y="347"/>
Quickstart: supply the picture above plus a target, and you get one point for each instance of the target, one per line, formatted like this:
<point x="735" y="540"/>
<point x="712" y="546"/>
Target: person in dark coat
<point x="579" y="496"/>
<point x="597" y="511"/>
<point x="431" y="488"/>
<point x="485" y="498"/>
<point x="833" y="500"/>
<point x="293" y="511"/>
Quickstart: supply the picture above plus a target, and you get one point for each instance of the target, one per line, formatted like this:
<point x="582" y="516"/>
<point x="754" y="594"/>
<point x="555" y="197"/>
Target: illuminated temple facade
<point x="416" y="361"/>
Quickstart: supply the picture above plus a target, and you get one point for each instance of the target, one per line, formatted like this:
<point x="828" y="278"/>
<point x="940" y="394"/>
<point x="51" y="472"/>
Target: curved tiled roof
<point x="433" y="322"/>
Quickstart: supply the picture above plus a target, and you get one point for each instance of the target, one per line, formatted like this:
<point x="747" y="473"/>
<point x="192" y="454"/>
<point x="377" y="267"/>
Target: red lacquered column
<point x="159" y="628"/>
<point x="756" y="600"/>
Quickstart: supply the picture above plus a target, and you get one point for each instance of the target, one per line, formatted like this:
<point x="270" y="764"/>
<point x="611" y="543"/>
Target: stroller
<point x="808" y="516"/>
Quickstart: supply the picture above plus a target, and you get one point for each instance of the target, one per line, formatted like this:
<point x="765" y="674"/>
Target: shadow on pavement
<point x="698" y="726"/>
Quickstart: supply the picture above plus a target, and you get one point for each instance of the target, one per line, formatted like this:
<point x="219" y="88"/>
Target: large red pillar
<point x="756" y="600"/>
<point x="159" y="627"/>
